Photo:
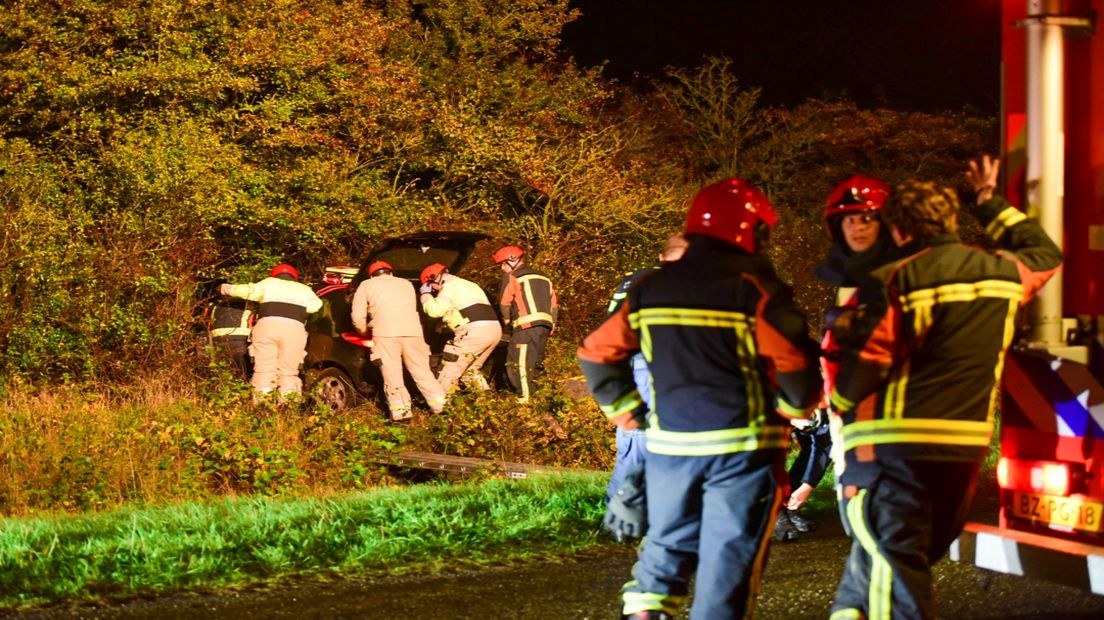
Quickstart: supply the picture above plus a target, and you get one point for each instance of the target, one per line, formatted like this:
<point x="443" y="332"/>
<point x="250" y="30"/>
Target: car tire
<point x="334" y="388"/>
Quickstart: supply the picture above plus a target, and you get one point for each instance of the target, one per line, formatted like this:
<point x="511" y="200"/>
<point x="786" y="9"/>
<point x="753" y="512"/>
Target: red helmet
<point x="378" y="265"/>
<point x="283" y="268"/>
<point x="856" y="194"/>
<point x="507" y="253"/>
<point x="730" y="210"/>
<point x="433" y="272"/>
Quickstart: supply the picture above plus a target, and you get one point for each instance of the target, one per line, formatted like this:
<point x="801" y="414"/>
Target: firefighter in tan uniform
<point x="279" y="338"/>
<point x="397" y="336"/>
<point x="464" y="307"/>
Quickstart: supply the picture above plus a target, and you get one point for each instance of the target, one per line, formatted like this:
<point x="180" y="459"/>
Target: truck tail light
<point x="1046" y="477"/>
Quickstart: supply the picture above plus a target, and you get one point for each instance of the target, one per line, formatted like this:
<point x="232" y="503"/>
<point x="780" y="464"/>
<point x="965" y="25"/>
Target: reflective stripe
<point x="523" y="375"/>
<point x="616" y="301"/>
<point x="881" y="572"/>
<point x="839" y="402"/>
<point x="230" y="331"/>
<point x="1009" y="333"/>
<point x="532" y="318"/>
<point x="628" y="402"/>
<point x="648" y="601"/>
<point x="1006" y="219"/>
<point x="926" y="431"/>
<point x="723" y="441"/>
<point x="895" y="390"/>
<point x="847" y="614"/>
<point x="788" y="409"/>
<point x="962" y="291"/>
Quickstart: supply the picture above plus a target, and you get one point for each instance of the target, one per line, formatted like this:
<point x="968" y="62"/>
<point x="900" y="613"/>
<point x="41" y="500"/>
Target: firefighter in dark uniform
<point x="860" y="243"/>
<point x="229" y="323"/>
<point x="630" y="444"/>
<point x="527" y="302"/>
<point x="730" y="361"/>
<point x="916" y="387"/>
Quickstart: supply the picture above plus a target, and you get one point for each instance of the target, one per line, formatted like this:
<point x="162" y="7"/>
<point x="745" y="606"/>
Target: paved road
<point x="800" y="581"/>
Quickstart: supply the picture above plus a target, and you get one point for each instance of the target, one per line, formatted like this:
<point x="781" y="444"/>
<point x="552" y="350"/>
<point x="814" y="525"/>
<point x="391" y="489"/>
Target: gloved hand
<point x="224" y="289"/>
<point x="627" y="512"/>
<point x="426" y="289"/>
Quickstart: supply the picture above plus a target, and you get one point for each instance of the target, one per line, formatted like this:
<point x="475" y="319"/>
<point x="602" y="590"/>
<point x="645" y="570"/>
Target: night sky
<point x="908" y="54"/>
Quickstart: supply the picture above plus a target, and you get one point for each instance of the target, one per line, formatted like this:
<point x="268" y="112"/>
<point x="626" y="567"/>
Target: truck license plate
<point x="1074" y="512"/>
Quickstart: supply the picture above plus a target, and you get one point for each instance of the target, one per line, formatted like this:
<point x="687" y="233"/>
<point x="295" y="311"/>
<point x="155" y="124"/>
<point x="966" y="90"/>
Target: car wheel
<point x="333" y="387"/>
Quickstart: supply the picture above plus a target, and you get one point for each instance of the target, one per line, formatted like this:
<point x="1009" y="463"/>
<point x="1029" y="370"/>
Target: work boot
<point x="801" y="523"/>
<point x="784" y="529"/>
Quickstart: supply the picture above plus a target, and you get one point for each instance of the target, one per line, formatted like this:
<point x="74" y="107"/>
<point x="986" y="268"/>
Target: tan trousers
<point x="466" y="353"/>
<point x="413" y="352"/>
<point x="278" y="347"/>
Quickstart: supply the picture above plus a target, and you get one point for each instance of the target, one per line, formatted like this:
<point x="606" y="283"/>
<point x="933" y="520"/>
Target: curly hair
<point x="922" y="210"/>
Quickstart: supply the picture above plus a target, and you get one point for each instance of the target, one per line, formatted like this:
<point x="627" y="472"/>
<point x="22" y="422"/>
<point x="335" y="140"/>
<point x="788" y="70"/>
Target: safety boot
<point x="784" y="528"/>
<point x="801" y="523"/>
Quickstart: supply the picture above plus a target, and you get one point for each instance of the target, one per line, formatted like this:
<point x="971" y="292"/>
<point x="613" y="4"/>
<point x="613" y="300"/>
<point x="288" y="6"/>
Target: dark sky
<point x="910" y="54"/>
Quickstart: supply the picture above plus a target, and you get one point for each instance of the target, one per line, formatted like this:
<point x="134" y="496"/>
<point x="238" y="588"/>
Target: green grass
<point x="146" y="550"/>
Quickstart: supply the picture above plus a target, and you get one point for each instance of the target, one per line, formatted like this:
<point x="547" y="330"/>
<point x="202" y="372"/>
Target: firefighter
<point x="229" y="323"/>
<point x="630" y="443"/>
<point x="859" y="244"/>
<point x="464" y="307"/>
<point x="396" y="328"/>
<point x="730" y="361"/>
<point x="917" y="383"/>
<point x="279" y="337"/>
<point x="527" y="303"/>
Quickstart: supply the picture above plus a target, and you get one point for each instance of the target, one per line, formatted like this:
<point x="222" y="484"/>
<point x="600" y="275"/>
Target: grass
<point x="139" y="551"/>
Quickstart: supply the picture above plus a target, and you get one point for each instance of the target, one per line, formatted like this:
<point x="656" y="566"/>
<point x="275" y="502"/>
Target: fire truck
<point x="1051" y="468"/>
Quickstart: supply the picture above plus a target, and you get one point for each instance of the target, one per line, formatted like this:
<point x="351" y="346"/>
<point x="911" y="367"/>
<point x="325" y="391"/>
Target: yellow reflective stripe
<point x="628" y="402"/>
<point x="616" y="299"/>
<point x="649" y="601"/>
<point x="523" y="375"/>
<point x="753" y="383"/>
<point x="533" y="318"/>
<point x="691" y="316"/>
<point x="895" y="391"/>
<point x="881" y="571"/>
<point x="839" y="402"/>
<point x="1009" y="333"/>
<point x="962" y="291"/>
<point x="928" y="431"/>
<point x="847" y="614"/>
<point x="723" y="441"/>
<point x="230" y="331"/>
<point x="789" y="409"/>
<point x="1007" y="218"/>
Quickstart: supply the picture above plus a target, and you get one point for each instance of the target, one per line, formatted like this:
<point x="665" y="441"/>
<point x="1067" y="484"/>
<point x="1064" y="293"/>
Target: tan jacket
<point x="392" y="304"/>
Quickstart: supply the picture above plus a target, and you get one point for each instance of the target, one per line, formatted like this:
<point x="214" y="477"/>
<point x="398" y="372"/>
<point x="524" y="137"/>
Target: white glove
<point x="224" y="289"/>
<point x="427" y="289"/>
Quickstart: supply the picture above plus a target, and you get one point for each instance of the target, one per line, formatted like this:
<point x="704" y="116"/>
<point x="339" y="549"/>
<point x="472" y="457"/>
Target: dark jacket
<point x="920" y="366"/>
<point x="727" y="349"/>
<point x="526" y="299"/>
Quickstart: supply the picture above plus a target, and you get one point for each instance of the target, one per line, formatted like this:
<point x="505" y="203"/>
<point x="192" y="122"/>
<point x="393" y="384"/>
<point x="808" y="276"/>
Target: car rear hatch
<point x="410" y="254"/>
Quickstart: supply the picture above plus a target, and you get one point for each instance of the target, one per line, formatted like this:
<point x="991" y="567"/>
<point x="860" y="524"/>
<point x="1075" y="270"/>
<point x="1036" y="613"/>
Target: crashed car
<point x="338" y="370"/>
